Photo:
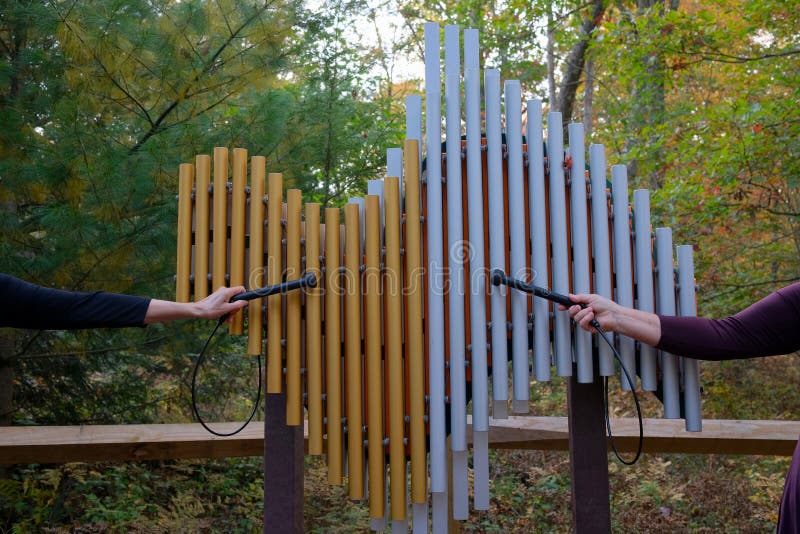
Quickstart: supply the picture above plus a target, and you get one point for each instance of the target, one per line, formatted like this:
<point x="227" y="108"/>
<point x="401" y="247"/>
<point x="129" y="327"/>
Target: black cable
<point x="306" y="281"/>
<point x="602" y="334"/>
<point x="200" y="358"/>
<point x="498" y="277"/>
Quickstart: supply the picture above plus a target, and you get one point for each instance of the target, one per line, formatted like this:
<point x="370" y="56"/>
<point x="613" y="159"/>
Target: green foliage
<point x="357" y="118"/>
<point x="87" y="184"/>
<point x="28" y="500"/>
<point x="529" y="490"/>
<point x="511" y="33"/>
<point x="328" y="508"/>
<point x="101" y="102"/>
<point x="217" y="496"/>
<point x="721" y="150"/>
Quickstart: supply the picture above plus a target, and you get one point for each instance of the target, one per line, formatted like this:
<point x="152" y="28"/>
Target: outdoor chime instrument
<point x="404" y="326"/>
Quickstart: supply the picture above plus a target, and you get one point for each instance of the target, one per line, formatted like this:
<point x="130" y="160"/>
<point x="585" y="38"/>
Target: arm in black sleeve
<point x="25" y="305"/>
<point x="769" y="327"/>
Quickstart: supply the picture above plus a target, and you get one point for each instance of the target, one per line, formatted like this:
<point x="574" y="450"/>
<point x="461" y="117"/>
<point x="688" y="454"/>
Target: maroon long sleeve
<point x="770" y="326"/>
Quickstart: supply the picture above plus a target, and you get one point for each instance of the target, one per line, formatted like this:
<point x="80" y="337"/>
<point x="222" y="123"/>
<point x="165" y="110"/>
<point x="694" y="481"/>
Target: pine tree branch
<point x="105" y="69"/>
<point x="5" y="47"/>
<point x="739" y="286"/>
<point x="200" y="112"/>
<point x="158" y="125"/>
<point x="756" y="207"/>
<point x="76" y="354"/>
<point x="721" y="57"/>
<point x="561" y="17"/>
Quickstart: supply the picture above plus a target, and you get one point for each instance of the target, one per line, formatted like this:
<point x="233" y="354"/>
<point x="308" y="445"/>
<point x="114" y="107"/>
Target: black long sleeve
<point x="25" y="305"/>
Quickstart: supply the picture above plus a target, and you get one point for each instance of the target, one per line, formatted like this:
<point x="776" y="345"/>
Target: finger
<point x="235" y="290"/>
<point x="587" y="318"/>
<point x="231" y="307"/>
<point x="579" y="316"/>
<point x="224" y="294"/>
<point x="571" y="309"/>
<point x="581" y="298"/>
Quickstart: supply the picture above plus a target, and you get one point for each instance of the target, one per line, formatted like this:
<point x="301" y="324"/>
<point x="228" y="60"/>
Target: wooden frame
<point x="118" y="443"/>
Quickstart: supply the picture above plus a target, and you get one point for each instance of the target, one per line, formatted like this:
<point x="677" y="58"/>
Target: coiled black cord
<point x="308" y="280"/>
<point x="200" y="359"/>
<point x="602" y="334"/>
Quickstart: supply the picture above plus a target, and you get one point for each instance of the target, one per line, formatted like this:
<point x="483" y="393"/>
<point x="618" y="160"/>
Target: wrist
<point x="194" y="310"/>
<point x="617" y="318"/>
<point x="623" y="319"/>
<point x="640" y="325"/>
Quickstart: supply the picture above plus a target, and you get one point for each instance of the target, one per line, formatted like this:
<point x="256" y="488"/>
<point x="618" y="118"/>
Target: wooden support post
<point x="283" y="469"/>
<point x="588" y="451"/>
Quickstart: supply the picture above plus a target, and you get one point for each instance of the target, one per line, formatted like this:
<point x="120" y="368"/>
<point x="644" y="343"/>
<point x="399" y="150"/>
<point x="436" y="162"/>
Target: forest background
<point x="101" y="100"/>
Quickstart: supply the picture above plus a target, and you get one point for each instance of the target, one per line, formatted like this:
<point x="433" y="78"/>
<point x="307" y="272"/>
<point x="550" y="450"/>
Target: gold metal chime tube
<point x="333" y="335"/>
<point x="238" y="214"/>
<point x="256" y="277"/>
<point x="201" y="226"/>
<point x="220" y="245"/>
<point x="415" y="349"/>
<point x="352" y="287"/>
<point x="314" y="332"/>
<point x="394" y="348"/>
<point x="294" y="390"/>
<point x="274" y="266"/>
<point x="185" y="182"/>
<point x="374" y="355"/>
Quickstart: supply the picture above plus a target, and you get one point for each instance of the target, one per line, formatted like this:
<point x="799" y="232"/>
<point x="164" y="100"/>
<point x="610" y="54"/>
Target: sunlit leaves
<point x="726" y="141"/>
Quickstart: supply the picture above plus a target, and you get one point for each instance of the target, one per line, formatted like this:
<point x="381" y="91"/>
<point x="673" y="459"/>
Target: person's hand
<point x="597" y="307"/>
<point x="218" y="303"/>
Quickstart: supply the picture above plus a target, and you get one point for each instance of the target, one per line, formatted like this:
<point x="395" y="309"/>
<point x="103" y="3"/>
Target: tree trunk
<point x="649" y="101"/>
<point x="7" y="361"/>
<point x="588" y="97"/>
<point x="551" y="61"/>
<point x="575" y="63"/>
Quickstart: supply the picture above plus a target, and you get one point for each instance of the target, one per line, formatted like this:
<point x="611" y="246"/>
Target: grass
<point x="530" y="490"/>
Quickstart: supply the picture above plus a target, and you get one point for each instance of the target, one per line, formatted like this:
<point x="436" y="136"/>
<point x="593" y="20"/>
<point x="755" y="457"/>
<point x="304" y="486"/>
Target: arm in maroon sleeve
<point x="25" y="305"/>
<point x="770" y="326"/>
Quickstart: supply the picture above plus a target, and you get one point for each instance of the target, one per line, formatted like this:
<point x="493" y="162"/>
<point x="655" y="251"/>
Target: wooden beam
<point x="588" y="457"/>
<point x="719" y="436"/>
<point x="283" y="468"/>
<point x="115" y="443"/>
<point x="61" y="444"/>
